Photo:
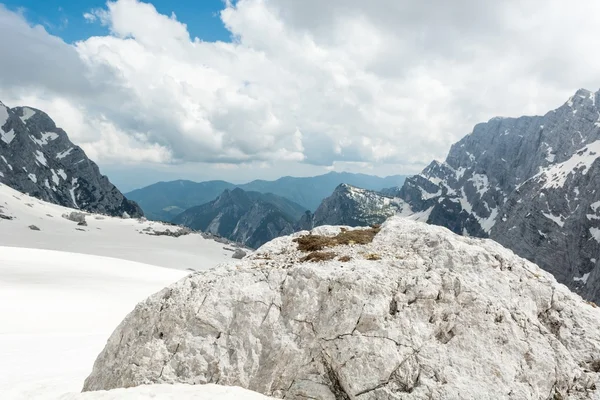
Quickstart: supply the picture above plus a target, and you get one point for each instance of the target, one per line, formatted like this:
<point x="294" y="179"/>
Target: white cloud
<point x="342" y="82"/>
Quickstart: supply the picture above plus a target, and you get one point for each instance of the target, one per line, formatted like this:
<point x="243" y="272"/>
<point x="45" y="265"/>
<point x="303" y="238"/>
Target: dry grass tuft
<point x="591" y="303"/>
<point x="345" y="258"/>
<point x="317" y="256"/>
<point x="373" y="257"/>
<point x="357" y="236"/>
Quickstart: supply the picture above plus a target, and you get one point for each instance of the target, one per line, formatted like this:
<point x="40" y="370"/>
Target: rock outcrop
<point x="37" y="158"/>
<point x="352" y="206"/>
<point x="530" y="183"/>
<point x="410" y="311"/>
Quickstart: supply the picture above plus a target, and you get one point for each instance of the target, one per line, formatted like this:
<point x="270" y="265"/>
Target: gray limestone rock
<point x="75" y="216"/>
<point x="238" y="254"/>
<point x="37" y="157"/>
<point x="433" y="316"/>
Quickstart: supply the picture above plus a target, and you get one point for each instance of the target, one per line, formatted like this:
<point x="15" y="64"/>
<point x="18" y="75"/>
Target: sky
<point x="248" y="89"/>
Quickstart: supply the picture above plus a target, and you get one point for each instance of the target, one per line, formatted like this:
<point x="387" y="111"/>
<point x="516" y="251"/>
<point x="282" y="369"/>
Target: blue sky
<point x="64" y="18"/>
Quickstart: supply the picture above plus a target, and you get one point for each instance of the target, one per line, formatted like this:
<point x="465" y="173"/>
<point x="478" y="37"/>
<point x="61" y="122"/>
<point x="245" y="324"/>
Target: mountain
<point x="165" y="200"/>
<point x="38" y="158"/>
<point x="250" y="218"/>
<point x="352" y="206"/>
<point x="530" y="183"/>
<point x="410" y="311"/>
<point x="310" y="192"/>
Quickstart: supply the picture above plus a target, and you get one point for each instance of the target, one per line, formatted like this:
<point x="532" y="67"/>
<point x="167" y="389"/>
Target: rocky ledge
<point x="405" y="311"/>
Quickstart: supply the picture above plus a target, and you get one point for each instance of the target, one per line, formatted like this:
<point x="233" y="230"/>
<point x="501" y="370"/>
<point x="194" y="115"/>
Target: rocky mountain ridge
<point x="165" y="200"/>
<point x="411" y="311"/>
<point x="37" y="157"/>
<point x="530" y="183"/>
<point x="353" y="206"/>
<point x="249" y="218"/>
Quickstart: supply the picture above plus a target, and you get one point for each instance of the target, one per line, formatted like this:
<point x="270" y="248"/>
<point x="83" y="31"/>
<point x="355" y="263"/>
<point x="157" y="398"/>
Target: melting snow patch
<point x="583" y="279"/>
<point x="556" y="175"/>
<point x="32" y="177"/>
<point x="481" y="183"/>
<point x="55" y="177"/>
<point x="46" y="136"/>
<point x="7" y="137"/>
<point x="39" y="156"/>
<point x="595" y="232"/>
<point x="62" y="174"/>
<point x="460" y="172"/>
<point x="72" y="190"/>
<point x="27" y="113"/>
<point x="46" y="183"/>
<point x="557" y="220"/>
<point x="65" y="153"/>
<point x="1" y="175"/>
<point x="549" y="155"/>
<point x="6" y="162"/>
<point x="422" y="216"/>
<point x="488" y="223"/>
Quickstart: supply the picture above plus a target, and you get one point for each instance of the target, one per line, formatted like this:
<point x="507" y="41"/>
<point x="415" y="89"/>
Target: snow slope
<point x="57" y="310"/>
<point x="104" y="236"/>
<point x="170" y="392"/>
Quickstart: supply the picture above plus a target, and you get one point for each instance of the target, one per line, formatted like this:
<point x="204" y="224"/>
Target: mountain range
<point x="38" y="158"/>
<point x="165" y="200"/>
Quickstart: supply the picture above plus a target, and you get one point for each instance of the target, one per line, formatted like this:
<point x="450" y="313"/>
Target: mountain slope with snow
<point x="58" y="307"/>
<point x="530" y="183"/>
<point x="37" y="157"/>
<point x="130" y="239"/>
<point x="353" y="206"/>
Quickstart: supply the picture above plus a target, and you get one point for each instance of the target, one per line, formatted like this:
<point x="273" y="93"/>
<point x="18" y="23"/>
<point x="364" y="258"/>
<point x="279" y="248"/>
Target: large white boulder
<point x="418" y="313"/>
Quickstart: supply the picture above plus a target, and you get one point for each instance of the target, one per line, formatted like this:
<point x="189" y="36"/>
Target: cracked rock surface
<point x="434" y="316"/>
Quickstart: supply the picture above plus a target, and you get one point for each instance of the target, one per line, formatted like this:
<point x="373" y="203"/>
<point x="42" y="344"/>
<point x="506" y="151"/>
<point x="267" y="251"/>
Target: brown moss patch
<point x="317" y="256"/>
<point x="373" y="257"/>
<point x="317" y="242"/>
<point x="345" y="258"/>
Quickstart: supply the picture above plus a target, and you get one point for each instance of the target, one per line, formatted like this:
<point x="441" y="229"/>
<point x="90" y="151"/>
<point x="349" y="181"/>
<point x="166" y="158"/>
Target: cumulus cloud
<point x="322" y="83"/>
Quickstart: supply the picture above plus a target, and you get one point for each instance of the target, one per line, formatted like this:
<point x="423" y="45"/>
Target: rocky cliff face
<point x="38" y="158"/>
<point x="530" y="183"/>
<point x="352" y="206"/>
<point x="249" y="218"/>
<point x="413" y="312"/>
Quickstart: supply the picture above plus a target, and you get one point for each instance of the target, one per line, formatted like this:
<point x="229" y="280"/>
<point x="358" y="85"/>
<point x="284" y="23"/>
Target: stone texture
<point x="37" y="157"/>
<point x="433" y="316"/>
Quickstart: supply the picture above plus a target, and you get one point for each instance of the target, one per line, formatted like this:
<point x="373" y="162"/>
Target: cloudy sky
<point x="265" y="88"/>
